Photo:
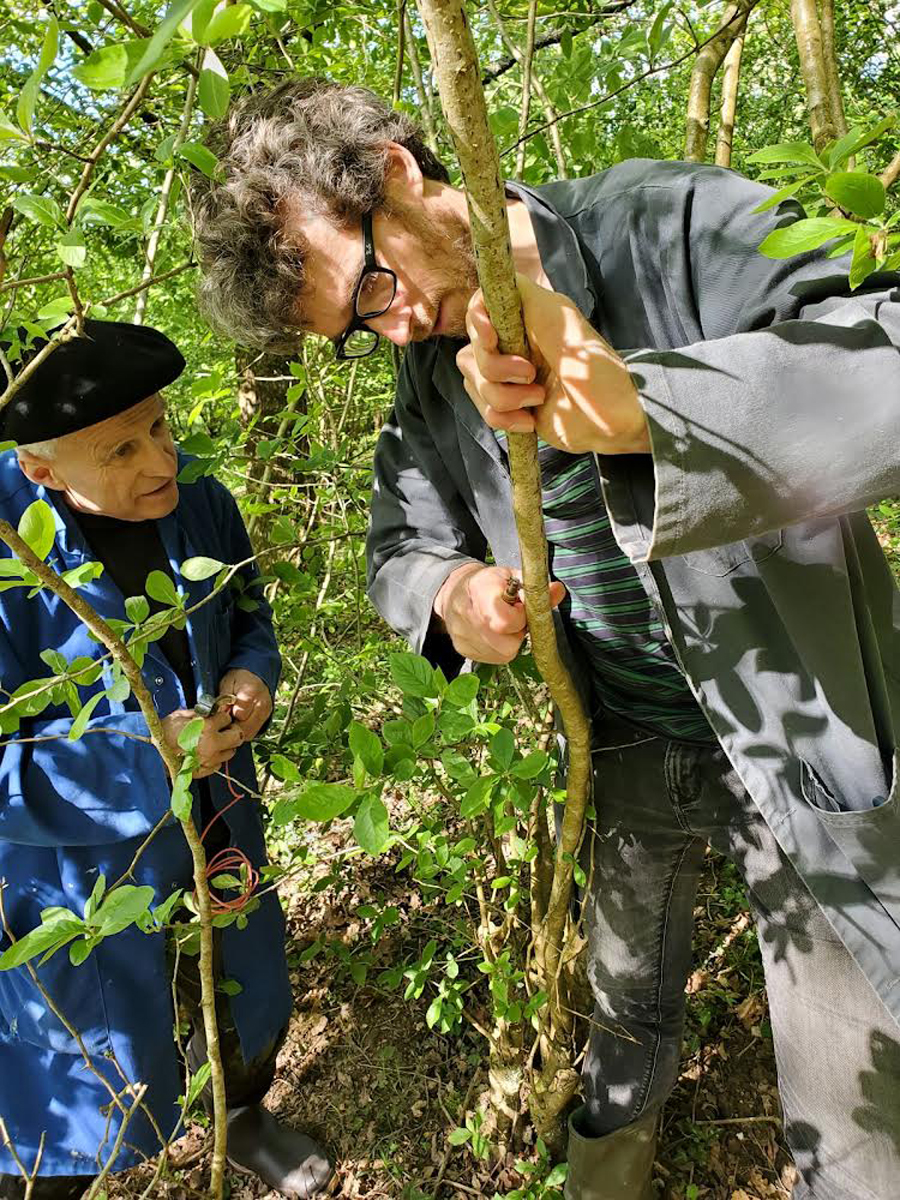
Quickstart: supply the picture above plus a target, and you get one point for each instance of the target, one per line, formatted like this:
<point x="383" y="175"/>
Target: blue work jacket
<point x="72" y="809"/>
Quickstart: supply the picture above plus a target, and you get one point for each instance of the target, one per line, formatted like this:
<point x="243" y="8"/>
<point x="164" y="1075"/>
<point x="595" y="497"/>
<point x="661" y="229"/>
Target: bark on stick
<point x="457" y="75"/>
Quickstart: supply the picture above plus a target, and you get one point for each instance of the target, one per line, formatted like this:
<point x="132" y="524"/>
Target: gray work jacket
<point x="773" y="398"/>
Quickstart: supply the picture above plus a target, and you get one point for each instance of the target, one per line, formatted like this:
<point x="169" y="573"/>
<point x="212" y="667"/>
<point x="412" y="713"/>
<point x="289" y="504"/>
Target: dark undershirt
<point x="129" y="551"/>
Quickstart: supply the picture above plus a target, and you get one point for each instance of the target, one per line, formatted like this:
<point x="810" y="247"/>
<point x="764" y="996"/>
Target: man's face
<point x="431" y="257"/>
<point x="123" y="467"/>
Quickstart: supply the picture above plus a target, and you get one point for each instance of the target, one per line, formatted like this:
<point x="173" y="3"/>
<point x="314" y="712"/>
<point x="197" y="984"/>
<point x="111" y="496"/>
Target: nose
<point x="395" y="324"/>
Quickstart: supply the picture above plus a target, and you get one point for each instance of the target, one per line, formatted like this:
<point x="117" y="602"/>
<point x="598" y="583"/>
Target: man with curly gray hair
<point x="728" y="605"/>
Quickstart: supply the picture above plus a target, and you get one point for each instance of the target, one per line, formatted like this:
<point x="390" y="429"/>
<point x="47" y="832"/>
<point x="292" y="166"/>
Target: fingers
<point x="557" y="593"/>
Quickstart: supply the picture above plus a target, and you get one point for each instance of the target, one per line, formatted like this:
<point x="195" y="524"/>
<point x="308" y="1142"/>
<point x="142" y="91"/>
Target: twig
<point x="165" y="194"/>
<point x="742" y="1121"/>
<point x="53" y="277"/>
<point x="527" y="63"/>
<point x="97" y="153"/>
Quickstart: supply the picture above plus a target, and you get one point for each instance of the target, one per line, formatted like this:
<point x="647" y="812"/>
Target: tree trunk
<point x="706" y="67"/>
<point x="730" y="79"/>
<point x="831" y="69"/>
<point x="808" y="33"/>
<point x="457" y="74"/>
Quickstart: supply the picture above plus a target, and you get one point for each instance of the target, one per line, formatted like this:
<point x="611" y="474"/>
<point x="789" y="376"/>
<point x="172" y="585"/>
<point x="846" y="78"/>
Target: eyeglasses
<point x="373" y="295"/>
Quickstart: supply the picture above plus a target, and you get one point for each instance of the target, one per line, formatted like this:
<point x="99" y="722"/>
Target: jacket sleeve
<point x="784" y="411"/>
<point x="420" y="529"/>
<point x="100" y="789"/>
<point x="253" y="646"/>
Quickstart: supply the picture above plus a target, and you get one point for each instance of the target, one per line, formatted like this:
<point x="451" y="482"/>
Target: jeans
<point x="245" y="1083"/>
<point x="658" y="804"/>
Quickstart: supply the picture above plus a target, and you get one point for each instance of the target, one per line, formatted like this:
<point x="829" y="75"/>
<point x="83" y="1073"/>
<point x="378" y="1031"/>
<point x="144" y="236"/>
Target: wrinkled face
<point x="123" y="467"/>
<point x="431" y="257"/>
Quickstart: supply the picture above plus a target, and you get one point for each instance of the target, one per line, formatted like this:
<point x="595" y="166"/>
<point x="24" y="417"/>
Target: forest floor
<point x="361" y="1071"/>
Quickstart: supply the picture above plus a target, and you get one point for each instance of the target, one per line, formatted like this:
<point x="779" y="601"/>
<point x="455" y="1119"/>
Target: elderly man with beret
<point x="92" y="441"/>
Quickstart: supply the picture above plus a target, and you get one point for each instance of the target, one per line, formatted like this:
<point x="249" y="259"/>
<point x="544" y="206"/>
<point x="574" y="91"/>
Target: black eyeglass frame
<point x="358" y="320"/>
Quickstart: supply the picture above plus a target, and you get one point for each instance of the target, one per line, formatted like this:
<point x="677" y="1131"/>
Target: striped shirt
<point x="634" y="672"/>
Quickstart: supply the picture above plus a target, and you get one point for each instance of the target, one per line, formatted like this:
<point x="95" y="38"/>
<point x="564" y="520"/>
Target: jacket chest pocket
<point x="723" y="560"/>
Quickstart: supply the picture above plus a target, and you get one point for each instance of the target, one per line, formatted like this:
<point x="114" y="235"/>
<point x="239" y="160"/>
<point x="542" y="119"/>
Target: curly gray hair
<point x="308" y="140"/>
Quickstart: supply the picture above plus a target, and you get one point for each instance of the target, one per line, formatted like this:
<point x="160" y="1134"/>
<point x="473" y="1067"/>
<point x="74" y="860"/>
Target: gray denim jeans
<point x="838" y="1051"/>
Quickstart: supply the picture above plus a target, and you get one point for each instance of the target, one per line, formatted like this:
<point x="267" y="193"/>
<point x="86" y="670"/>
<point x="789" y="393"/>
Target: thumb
<point x="557" y="593"/>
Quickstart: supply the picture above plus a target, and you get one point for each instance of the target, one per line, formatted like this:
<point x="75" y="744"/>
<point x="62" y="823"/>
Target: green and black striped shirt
<point x="634" y="671"/>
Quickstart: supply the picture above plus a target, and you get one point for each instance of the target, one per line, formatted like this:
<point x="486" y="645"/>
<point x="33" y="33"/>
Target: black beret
<point x="88" y="379"/>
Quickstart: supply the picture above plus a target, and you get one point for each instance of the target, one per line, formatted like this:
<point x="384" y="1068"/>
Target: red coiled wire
<point x="230" y="859"/>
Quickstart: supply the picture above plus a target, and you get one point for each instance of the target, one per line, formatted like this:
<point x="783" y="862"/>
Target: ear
<point x="404" y="177"/>
<point x="39" y="471"/>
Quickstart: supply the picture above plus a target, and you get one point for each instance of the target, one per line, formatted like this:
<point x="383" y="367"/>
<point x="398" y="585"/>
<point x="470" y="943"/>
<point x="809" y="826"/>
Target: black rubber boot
<point x="284" y="1159"/>
<point x="617" y="1166"/>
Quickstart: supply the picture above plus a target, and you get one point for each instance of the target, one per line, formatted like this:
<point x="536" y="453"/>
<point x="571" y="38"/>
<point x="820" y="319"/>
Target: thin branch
<point x="554" y="38"/>
<point x="32" y="281"/>
<point x="147" y="283"/>
<point x="111" y="134"/>
<point x="401" y="44"/>
<point x="624" y="87"/>
<point x="540" y="91"/>
<point x="423" y="94"/>
<point x="65" y="334"/>
<point x="164" y="195"/>
<point x="527" y="64"/>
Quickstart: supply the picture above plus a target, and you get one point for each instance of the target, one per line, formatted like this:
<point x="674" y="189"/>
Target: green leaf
<point x="863" y="262"/>
<point x="476" y="798"/>
<point x="459" y="1136"/>
<point x="56" y="310"/>
<point x="433" y="1015"/>
<point x="30" y="91"/>
<point x="101" y="212"/>
<point x="199" y="1081"/>
<point x="371" y="828"/>
<point x="80" y="951"/>
<point x="788" y="152"/>
<point x="324" y="801"/>
<point x="199" y="568"/>
<point x="182" y="800"/>
<point x="37" y="528"/>
<point x="855" y="140"/>
<point x="229" y="987"/>
<point x="71" y="248"/>
<point x="397" y="733"/>
<point x="10" y="132"/>
<point x="422" y="730"/>
<point x="200" y="18"/>
<point x="79" y="725"/>
<point x="282" y="768"/>
<point x="227" y="23"/>
<point x="213" y="90"/>
<point x="137" y="608"/>
<point x="204" y="160"/>
<point x="175" y="14"/>
<point x="121" y="907"/>
<point x="191" y="734"/>
<point x="782" y="194"/>
<point x="462" y="690"/>
<point x="104" y="68"/>
<point x="856" y="192"/>
<point x="503" y="747"/>
<point x="50" y="935"/>
<point x="803" y="236"/>
<point x="160" y="587"/>
<point x="530" y="766"/>
<point x="413" y="674"/>
<point x="43" y="209"/>
<point x="366" y="746"/>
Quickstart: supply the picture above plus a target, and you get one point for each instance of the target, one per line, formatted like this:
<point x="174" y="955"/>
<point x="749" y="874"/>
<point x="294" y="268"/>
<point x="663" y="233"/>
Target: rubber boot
<point x="617" y="1166"/>
<point x="283" y="1158"/>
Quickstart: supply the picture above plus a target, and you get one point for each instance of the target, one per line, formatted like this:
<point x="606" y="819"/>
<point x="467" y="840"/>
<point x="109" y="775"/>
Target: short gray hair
<point x="41" y="449"/>
<point x="308" y="140"/>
